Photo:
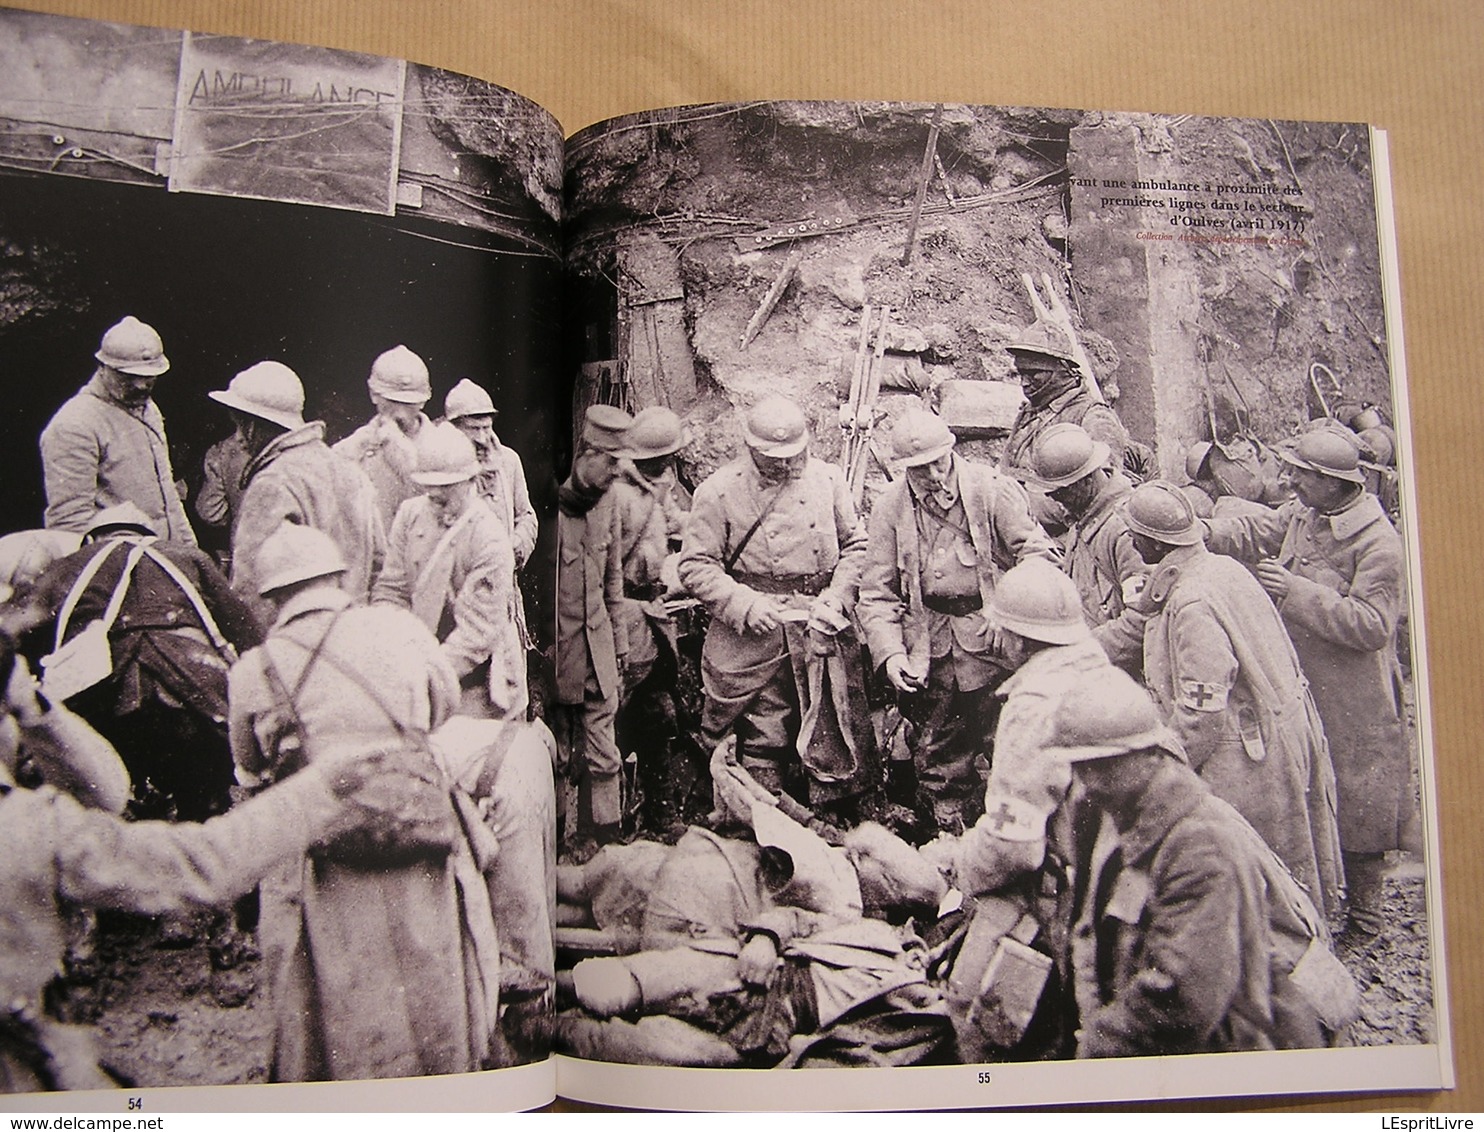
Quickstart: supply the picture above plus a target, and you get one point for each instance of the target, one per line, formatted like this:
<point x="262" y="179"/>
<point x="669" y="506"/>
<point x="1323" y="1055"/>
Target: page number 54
<point x="137" y="1103"/>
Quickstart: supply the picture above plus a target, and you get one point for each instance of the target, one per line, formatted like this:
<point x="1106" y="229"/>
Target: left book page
<point x="278" y="335"/>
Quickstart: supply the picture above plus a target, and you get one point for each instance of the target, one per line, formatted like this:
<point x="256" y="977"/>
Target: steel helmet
<point x="1161" y="511"/>
<point x="127" y="515"/>
<point x="656" y="432"/>
<point x="444" y="455"/>
<point x="131" y="346"/>
<point x="295" y="553"/>
<point x="1195" y="459"/>
<point x="400" y="375"/>
<point x="775" y="426"/>
<point x="1043" y="339"/>
<point x="920" y="437"/>
<point x="1328" y="452"/>
<point x="1038" y="601"/>
<point x="269" y="390"/>
<point x="1064" y="453"/>
<point x="1110" y="715"/>
<point x="468" y="400"/>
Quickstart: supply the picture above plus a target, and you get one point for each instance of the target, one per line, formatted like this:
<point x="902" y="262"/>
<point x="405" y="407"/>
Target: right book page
<point x="877" y="357"/>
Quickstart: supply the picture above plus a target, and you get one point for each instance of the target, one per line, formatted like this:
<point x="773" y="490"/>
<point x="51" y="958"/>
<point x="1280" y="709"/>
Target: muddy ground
<point x="166" y="1017"/>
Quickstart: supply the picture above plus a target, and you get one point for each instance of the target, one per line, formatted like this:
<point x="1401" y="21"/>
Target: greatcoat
<point x="298" y="479"/>
<point x="459" y="581"/>
<point x="1341" y="612"/>
<point x="97" y="453"/>
<point x="1228" y="682"/>
<point x="1100" y="559"/>
<point x="378" y="969"/>
<point x="388" y="456"/>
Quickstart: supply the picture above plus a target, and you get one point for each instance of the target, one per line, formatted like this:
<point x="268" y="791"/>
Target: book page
<point x="847" y="370"/>
<point x="246" y="283"/>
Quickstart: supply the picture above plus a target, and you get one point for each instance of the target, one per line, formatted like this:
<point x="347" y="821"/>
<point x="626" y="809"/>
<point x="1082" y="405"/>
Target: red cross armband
<point x="1012" y="819"/>
<point x="1197" y="695"/>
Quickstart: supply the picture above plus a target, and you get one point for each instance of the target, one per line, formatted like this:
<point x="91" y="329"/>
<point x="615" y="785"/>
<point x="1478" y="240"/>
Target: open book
<point x="760" y="366"/>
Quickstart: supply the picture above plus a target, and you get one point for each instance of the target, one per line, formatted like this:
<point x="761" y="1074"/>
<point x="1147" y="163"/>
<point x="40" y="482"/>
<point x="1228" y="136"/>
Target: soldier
<point x="502" y="479"/>
<point x="64" y="846"/>
<point x="773" y="549"/>
<point x="220" y="497"/>
<point x="1192" y="937"/>
<point x="651" y="515"/>
<point x="589" y="584"/>
<point x="940" y="538"/>
<point x="293" y="477"/>
<point x="1072" y="468"/>
<point x="450" y="561"/>
<point x="384" y="446"/>
<point x="1054" y="391"/>
<point x="1332" y="563"/>
<point x="1220" y="485"/>
<point x="173" y="626"/>
<point x="107" y="445"/>
<point x="381" y="944"/>
<point x="1226" y="678"/>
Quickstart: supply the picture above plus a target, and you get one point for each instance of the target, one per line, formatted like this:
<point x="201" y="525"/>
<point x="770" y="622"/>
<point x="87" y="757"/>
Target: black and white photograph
<point x="279" y="344"/>
<point x="984" y="607"/>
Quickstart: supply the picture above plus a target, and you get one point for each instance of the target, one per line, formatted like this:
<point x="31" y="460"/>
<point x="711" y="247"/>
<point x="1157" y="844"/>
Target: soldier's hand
<point x="1274" y="578"/>
<point x="764" y="615"/>
<point x="758" y="961"/>
<point x="900" y="675"/>
<point x="21" y="694"/>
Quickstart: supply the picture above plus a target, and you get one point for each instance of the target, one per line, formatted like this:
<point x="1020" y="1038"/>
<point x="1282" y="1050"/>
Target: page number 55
<point x="984" y="1077"/>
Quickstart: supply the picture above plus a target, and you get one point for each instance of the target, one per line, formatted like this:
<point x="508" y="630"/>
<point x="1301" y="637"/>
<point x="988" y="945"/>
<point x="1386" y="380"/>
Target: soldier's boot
<point x="901" y="782"/>
<point x="766" y="771"/>
<point x="1365" y="892"/>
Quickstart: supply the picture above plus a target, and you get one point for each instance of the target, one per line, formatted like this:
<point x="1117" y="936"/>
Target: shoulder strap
<point x="120" y="588"/>
<point x="443" y="543"/>
<point x="731" y="559"/>
<point x="194" y="597"/>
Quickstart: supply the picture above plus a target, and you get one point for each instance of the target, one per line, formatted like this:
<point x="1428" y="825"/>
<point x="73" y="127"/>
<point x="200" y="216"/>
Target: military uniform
<point x="381" y="966"/>
<point x="1341" y="613"/>
<point x="1074" y="405"/>
<point x="1100" y="559"/>
<point x="164" y="706"/>
<point x="1190" y="933"/>
<point x="458" y="579"/>
<point x="1225" y="675"/>
<point x="388" y="457"/>
<point x="297" y="479"/>
<point x="97" y="452"/>
<point x="930" y="569"/>
<point x="805" y="541"/>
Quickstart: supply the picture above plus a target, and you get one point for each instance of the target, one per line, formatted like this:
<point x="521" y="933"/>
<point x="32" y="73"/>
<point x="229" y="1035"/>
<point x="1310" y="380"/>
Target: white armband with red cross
<point x="1198" y="695"/>
<point x="1012" y="819"/>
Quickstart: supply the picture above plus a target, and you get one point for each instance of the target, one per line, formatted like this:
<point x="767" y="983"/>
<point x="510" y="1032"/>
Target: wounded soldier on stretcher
<point x="778" y="950"/>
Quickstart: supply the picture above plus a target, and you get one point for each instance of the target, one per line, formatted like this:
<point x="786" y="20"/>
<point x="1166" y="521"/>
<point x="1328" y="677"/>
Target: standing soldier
<point x="384" y="447"/>
<point x="1226" y="678"/>
<point x="1054" y="392"/>
<point x="292" y="476"/>
<point x="220" y="497"/>
<point x="589" y="584"/>
<point x="381" y="944"/>
<point x="651" y="515"/>
<point x="107" y="445"/>
<point x="1332" y="563"/>
<point x="449" y="560"/>
<point x="502" y="478"/>
<point x="941" y="536"/>
<point x="1072" y="468"/>
<point x="773" y="549"/>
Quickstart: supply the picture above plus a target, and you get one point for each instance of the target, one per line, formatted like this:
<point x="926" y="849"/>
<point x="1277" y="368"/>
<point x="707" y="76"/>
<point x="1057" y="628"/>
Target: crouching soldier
<point x="1192" y="937"/>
